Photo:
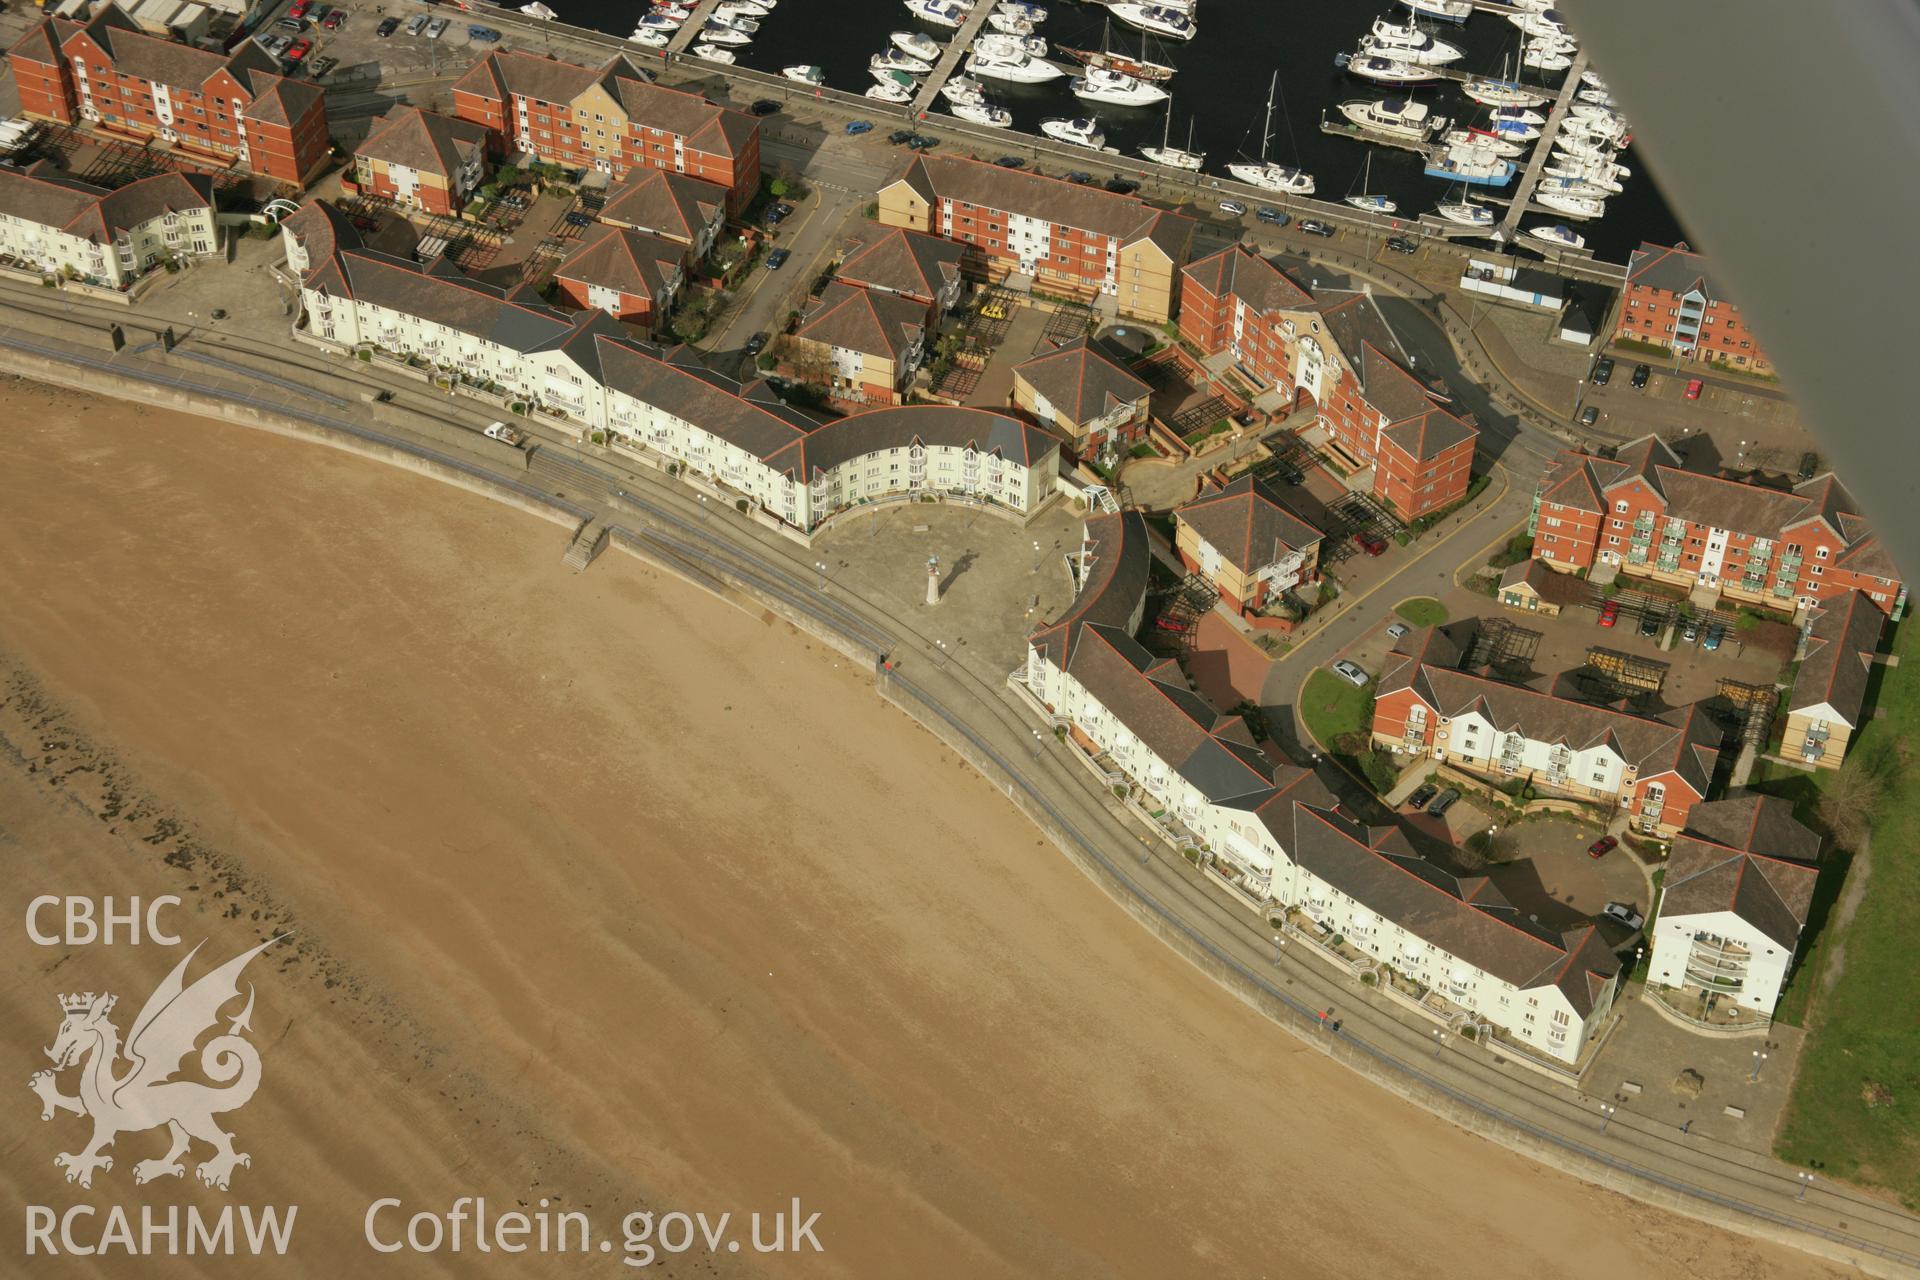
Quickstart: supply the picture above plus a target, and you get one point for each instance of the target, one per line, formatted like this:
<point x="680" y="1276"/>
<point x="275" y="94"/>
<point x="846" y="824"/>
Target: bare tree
<point x="1848" y="801"/>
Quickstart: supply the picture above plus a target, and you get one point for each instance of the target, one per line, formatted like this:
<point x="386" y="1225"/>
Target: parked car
<point x="322" y="66"/>
<point x="292" y="24"/>
<point x="1443" y="802"/>
<point x="298" y="50"/>
<point x="274" y="45"/>
<point x="1352" y="672"/>
<point x="1121" y="186"/>
<point x="1421" y="794"/>
<point x="1624" y="913"/>
<point x="1589" y="415"/>
<point x="1011" y="162"/>
<point x="1602" y="371"/>
<point x="1397" y="629"/>
<point x="1694" y="389"/>
<point x="1690" y="631"/>
<point x="1371" y="543"/>
<point x="764" y="107"/>
<point x="299" y="8"/>
<point x="778" y="259"/>
<point x="1315" y="227"/>
<point x="1809" y="463"/>
<point x="899" y="136"/>
<point x="921" y="142"/>
<point x="1079" y="178"/>
<point x="436" y="28"/>
<point x="416" y="24"/>
<point x="1609" y="613"/>
<point x="1649" y="624"/>
<point x="1400" y="244"/>
<point x="387" y="27"/>
<point x="1232" y="207"/>
<point x="1641" y="373"/>
<point x="577" y="219"/>
<point x="482" y="35"/>
<point x="1715" y="634"/>
<point x="859" y="126"/>
<point x="774" y="216"/>
<point x="502" y="432"/>
<point x="1602" y="847"/>
<point x="785" y="209"/>
<point x="337" y="18"/>
<point x="756" y="344"/>
<point x="1272" y="216"/>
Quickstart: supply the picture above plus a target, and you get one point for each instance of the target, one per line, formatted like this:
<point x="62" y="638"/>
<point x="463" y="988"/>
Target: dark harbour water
<point x="1221" y="88"/>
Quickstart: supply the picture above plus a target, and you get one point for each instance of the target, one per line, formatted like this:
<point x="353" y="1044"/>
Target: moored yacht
<point x="745" y="26"/>
<point x="888" y="91"/>
<point x="724" y="35"/>
<point x="1505" y="148"/>
<point x="1503" y="93"/>
<point x="666" y="22"/>
<point x="1394" y="117"/>
<point x="916" y="45"/>
<point x="983" y="113"/>
<point x="1264" y="173"/>
<point x="963" y="89"/>
<point x="1009" y="24"/>
<point x="1571" y="205"/>
<point x="1021" y="9"/>
<point x="1473" y="164"/>
<point x="1385" y="70"/>
<point x="742" y="9"/>
<point x="805" y="73"/>
<point x="1560" y="236"/>
<point x="648" y="38"/>
<point x="1410" y="43"/>
<point x="894" y="60"/>
<point x="942" y="13"/>
<point x="1467" y="215"/>
<point x="1373" y="204"/>
<point x="996" y="44"/>
<point x="1117" y="88"/>
<point x="1085" y="132"/>
<point x="1445" y="10"/>
<point x="1171" y="156"/>
<point x="1545" y="59"/>
<point x="714" y="53"/>
<point x="1018" y="69"/>
<point x="1157" y="18"/>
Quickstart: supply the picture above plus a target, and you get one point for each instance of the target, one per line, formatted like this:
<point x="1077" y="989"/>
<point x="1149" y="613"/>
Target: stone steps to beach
<point x="587" y="544"/>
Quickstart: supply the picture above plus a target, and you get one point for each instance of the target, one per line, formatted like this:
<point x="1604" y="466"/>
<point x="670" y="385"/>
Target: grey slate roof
<point x="901" y="261"/>
<point x="1248" y="523"/>
<point x="97" y="213"/>
<point x="1747" y="855"/>
<point x="631" y="261"/>
<point x="1114" y="589"/>
<point x="1844" y="635"/>
<point x="868" y="321"/>
<point x="1240" y="271"/>
<point x="1126" y="218"/>
<point x="1081" y="383"/>
<point x="1675" y="270"/>
<point x="423" y="141"/>
<point x="899" y="425"/>
<point x="674" y="205"/>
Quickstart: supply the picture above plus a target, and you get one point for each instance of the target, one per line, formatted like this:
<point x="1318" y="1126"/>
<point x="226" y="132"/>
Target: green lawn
<point x="1855" y="1108"/>
<point x="1332" y="707"/>
<point x="1422" y="611"/>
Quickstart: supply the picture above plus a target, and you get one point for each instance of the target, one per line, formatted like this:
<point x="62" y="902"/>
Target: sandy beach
<point x="607" y="892"/>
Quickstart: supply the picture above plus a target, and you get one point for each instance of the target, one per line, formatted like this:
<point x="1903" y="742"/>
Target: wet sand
<point x="607" y="891"/>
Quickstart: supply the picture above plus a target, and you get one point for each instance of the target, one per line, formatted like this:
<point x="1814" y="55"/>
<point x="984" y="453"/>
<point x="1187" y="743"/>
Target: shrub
<point x="1368" y="979"/>
<point x="365" y="355"/>
<point x="1119" y="791"/>
<point x="740" y="505"/>
<point x="599" y="437"/>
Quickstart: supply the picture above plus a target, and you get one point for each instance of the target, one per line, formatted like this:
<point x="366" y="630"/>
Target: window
<point x="1819" y="553"/>
<point x="1620" y="505"/>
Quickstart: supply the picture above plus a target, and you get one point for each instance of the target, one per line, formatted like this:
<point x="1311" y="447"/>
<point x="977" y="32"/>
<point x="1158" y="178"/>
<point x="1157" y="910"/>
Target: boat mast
<point x="1266" y="130"/>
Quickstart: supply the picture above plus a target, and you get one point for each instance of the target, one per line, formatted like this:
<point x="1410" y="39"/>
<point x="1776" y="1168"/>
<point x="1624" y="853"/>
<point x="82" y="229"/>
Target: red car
<point x="298" y="50"/>
<point x="1372" y="544"/>
<point x="1694" y="388"/>
<point x="1609" y="613"/>
<point x="1602" y="847"/>
<point x="335" y="20"/>
<point x="299" y="8"/>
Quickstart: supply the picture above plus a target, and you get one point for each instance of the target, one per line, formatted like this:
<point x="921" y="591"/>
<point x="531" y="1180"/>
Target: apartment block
<point x="1238" y="302"/>
<point x="864" y="345"/>
<point x="61" y="226"/>
<point x="228" y="109"/>
<point x="1245" y="540"/>
<point x="1055" y="235"/>
<point x="612" y="119"/>
<point x="1829" y="695"/>
<point x="1642" y="511"/>
<point x="1655" y="771"/>
<point x="1671" y="301"/>
<point x="670" y="205"/>
<point x="908" y="264"/>
<point x="1737" y="892"/>
<point x="421" y="160"/>
<point x="1097" y="404"/>
<point x="581" y="369"/>
<point x="630" y="275"/>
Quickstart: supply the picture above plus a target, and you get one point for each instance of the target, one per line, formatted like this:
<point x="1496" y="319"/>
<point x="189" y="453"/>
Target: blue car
<point x="1271" y="216"/>
<point x="482" y="35"/>
<point x="860" y="126"/>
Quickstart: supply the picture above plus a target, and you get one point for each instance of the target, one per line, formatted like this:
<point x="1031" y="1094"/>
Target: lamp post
<point x="1279" y="947"/>
<point x="821" y="565"/>
<point x="1606" y="1115"/>
<point x="1036" y="557"/>
<point x="1759" y="1061"/>
<point x="1806" y="1180"/>
<point x="1439" y="1040"/>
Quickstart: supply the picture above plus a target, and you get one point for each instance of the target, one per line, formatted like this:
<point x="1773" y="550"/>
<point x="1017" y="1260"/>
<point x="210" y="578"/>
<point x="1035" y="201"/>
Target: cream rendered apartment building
<point x="61" y="226"/>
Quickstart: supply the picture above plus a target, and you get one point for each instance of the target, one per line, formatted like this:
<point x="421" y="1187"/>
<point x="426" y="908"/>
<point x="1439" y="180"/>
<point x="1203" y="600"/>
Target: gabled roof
<point x="541" y="77"/>
<point x="41" y="44"/>
<point x="1115" y="585"/>
<point x="902" y="261"/>
<point x="278" y="100"/>
<point x="705" y="126"/>
<point x="1416" y="424"/>
<point x="632" y="262"/>
<point x="1081" y="383"/>
<point x="1834" y="674"/>
<point x="1128" y="219"/>
<point x="1747" y="855"/>
<point x="1676" y="270"/>
<point x="1239" y="271"/>
<point x="873" y="323"/>
<point x="1545" y="582"/>
<point x="98" y="214"/>
<point x="423" y="141"/>
<point x="674" y="205"/>
<point x="1248" y="523"/>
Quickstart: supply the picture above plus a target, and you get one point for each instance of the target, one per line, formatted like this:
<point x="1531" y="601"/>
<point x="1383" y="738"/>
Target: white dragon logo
<point x="145" y="1096"/>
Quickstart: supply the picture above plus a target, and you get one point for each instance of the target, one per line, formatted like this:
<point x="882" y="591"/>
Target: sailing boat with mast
<point x="1266" y="174"/>
<point x="1107" y="60"/>
<point x="1371" y="204"/>
<point x="1173" y="156"/>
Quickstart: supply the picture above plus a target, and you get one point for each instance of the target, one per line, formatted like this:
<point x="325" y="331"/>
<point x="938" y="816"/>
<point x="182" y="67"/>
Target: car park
<point x="1715" y="634"/>
<point x="1232" y="207"/>
<point x="1641" y="374"/>
<point x="1011" y="162"/>
<point x="1602" y="371"/>
<point x="1602" y="847"/>
<point x="387" y="27"/>
<point x="1694" y="389"/>
<point x="1649" y="624"/>
<point x="1443" y="802"/>
<point x="1625" y="914"/>
<point x="337" y="18"/>
<point x="1371" y="543"/>
<point x="1421" y="795"/>
<point x="298" y="50"/>
<point x="778" y="259"/>
<point x="1315" y="227"/>
<point x="1609" y="613"/>
<point x="1589" y="415"/>
<point x="756" y="344"/>
<point x="1272" y="216"/>
<point x="436" y="28"/>
<point x="1400" y="244"/>
<point x="859" y="126"/>
<point x="1396" y="630"/>
<point x="1352" y="672"/>
<point x="764" y="107"/>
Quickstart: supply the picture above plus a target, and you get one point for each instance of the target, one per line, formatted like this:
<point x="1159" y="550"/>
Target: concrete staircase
<point x="588" y="542"/>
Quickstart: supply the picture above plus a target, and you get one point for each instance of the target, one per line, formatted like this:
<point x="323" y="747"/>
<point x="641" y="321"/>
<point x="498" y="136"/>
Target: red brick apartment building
<point x="1641" y="511"/>
<point x="1069" y="239"/>
<point x="1671" y="302"/>
<point x="421" y="160"/>
<point x="226" y="108"/>
<point x="610" y="118"/>
<point x="630" y="275"/>
<point x="1376" y="414"/>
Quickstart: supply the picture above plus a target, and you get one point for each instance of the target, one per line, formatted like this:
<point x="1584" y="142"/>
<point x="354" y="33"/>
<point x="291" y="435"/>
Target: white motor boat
<point x="942" y="13"/>
<point x="1007" y="24"/>
<point x="995" y="44"/>
<point x="894" y="60"/>
<point x="538" y="10"/>
<point x="1571" y="205"/>
<point x="1539" y="22"/>
<point x="1602" y="171"/>
<point x="1394" y="117"/>
<point x="1085" y="132"/>
<point x="1525" y="115"/>
<point x="914" y="44"/>
<point x="805" y="73"/>
<point x="1503" y="147"/>
<point x="745" y="26"/>
<point x="1593" y="111"/>
<point x="1594" y="97"/>
<point x="1467" y="215"/>
<point x="680" y="11"/>
<point x="1016" y="67"/>
<point x="1545" y="60"/>
<point x="1410" y="44"/>
<point x="1373" y="204"/>
<point x="648" y="38"/>
<point x="724" y="35"/>
<point x="659" y="22"/>
<point x="1158" y="19"/>
<point x="1559" y="236"/>
<point x="1117" y="88"/>
<point x="1606" y="132"/>
<point x="1585" y="149"/>
<point x="1592" y="80"/>
<point x="983" y="113"/>
<point x="1514" y="130"/>
<point x="963" y="89"/>
<point x="714" y="53"/>
<point x="1472" y="163"/>
<point x="1503" y="93"/>
<point x="742" y="9"/>
<point x="1445" y="10"/>
<point x="1020" y="9"/>
<point x="888" y="91"/>
<point x="1582" y="187"/>
<point x="1386" y="70"/>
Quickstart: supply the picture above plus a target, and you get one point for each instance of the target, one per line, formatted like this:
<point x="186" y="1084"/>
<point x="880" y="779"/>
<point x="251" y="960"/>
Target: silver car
<point x="436" y="28"/>
<point x="1351" y="672"/>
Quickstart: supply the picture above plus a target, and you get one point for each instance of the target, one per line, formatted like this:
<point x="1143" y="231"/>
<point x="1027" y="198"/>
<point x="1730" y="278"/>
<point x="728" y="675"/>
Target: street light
<point x="821" y="565"/>
<point x="1439" y="1040"/>
<point x="1606" y="1115"/>
<point x="1806" y="1180"/>
<point x="1759" y="1061"/>
<point x="1279" y="947"/>
<point x="1036" y="557"/>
